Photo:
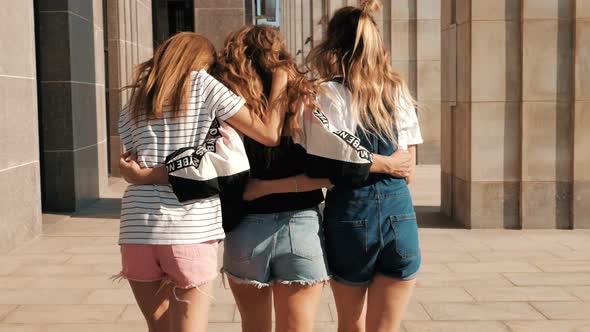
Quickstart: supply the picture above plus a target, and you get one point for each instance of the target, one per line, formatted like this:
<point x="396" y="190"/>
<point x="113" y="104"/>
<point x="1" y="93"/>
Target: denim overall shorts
<point x="372" y="229"/>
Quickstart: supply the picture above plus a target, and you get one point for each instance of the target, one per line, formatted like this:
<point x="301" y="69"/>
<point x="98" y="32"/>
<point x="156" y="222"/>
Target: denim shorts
<point x="371" y="230"/>
<point x="285" y="247"/>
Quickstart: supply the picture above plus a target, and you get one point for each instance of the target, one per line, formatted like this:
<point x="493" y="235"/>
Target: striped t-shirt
<point x="151" y="214"/>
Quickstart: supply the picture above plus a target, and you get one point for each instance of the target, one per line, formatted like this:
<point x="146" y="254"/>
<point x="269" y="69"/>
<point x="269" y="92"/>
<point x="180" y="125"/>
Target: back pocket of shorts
<point x="345" y="235"/>
<point x="305" y="234"/>
<point x="405" y="229"/>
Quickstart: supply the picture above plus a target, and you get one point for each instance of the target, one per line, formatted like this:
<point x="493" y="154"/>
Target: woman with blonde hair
<point x="370" y="231"/>
<point x="169" y="247"/>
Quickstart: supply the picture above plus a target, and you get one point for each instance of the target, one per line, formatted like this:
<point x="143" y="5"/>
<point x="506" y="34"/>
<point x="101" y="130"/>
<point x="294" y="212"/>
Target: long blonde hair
<point x="164" y="80"/>
<point x="354" y="50"/>
<point x="245" y="65"/>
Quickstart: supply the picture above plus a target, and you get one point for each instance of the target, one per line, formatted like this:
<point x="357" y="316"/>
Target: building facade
<point x="504" y="89"/>
<point x="502" y="86"/>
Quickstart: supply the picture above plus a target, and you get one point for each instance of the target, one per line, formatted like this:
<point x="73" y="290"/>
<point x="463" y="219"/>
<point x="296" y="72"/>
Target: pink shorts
<point x="184" y="265"/>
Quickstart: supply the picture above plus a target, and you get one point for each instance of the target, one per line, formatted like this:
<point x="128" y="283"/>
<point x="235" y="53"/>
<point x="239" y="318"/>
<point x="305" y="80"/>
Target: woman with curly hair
<point x="276" y="251"/>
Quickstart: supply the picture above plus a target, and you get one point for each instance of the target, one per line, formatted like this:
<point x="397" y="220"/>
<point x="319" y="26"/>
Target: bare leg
<point x="296" y="306"/>
<point x="189" y="308"/>
<point x="255" y="306"/>
<point x="387" y="302"/>
<point x="153" y="303"/>
<point x="350" y="305"/>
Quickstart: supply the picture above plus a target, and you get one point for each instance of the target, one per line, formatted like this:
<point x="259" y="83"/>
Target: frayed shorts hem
<point x="260" y="284"/>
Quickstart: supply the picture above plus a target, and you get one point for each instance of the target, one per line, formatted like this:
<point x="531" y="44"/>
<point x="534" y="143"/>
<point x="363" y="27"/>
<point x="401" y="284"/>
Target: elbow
<point x="273" y="140"/>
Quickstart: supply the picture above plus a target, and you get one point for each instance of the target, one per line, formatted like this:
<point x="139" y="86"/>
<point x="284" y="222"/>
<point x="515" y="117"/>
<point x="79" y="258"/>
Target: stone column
<point x="306" y="27"/>
<point x="130" y="42"/>
<point x="216" y="19"/>
<point x="481" y="124"/>
<point x="20" y="206"/>
<point x="581" y="119"/>
<point x="72" y="97"/>
<point x="298" y="16"/>
<point x="319" y="21"/>
<point x="428" y="74"/>
<point x="546" y="113"/>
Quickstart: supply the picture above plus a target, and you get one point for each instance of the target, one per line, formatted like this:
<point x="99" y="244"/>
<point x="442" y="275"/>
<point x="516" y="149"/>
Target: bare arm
<point x="398" y="164"/>
<point x="266" y="132"/>
<point x="412" y="171"/>
<point x="299" y="183"/>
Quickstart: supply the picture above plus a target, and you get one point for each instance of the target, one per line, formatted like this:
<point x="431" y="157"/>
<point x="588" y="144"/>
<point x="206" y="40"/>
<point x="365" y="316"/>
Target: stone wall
<point x="215" y="19"/>
<point x="72" y="102"/>
<point x="510" y="159"/>
<point x="20" y="206"/>
<point x="130" y="42"/>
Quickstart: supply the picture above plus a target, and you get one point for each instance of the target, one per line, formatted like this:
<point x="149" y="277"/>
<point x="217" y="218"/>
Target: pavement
<point x="471" y="280"/>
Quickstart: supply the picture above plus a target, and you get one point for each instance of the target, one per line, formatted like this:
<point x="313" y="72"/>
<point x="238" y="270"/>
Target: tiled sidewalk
<point x="484" y="280"/>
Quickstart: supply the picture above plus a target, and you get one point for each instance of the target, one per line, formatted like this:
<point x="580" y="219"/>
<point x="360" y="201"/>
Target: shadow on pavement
<point x="431" y="217"/>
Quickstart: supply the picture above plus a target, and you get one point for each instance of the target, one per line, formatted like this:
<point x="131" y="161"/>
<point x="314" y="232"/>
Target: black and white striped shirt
<point x="152" y="214"/>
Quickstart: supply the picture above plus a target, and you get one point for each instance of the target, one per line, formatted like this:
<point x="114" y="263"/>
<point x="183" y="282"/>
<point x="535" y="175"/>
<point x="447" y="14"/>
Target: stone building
<point x="503" y="86"/>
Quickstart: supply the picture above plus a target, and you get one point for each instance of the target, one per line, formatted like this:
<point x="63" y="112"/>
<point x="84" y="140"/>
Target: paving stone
<point x="563" y="266"/>
<point x="446" y="257"/>
<point x="482" y="311"/>
<point x="525" y="294"/>
<point x="107" y="259"/>
<point x="110" y="296"/>
<point x="99" y="327"/>
<point x="40" y="314"/>
<point x="429" y="295"/>
<point x="131" y="313"/>
<point x="42" y="296"/>
<point x="5" y="309"/>
<point x="502" y="256"/>
<point x="582" y="292"/>
<point x="465" y="326"/>
<point x="434" y="268"/>
<point x="549" y="279"/>
<point x="15" y="283"/>
<point x="222" y="313"/>
<point x="8" y="268"/>
<point x="572" y="255"/>
<point x="20" y="328"/>
<point x="75" y="282"/>
<point x="34" y="259"/>
<point x="549" y="326"/>
<point x="462" y="279"/>
<point x="493" y="267"/>
<point x="564" y="310"/>
<point x="63" y="270"/>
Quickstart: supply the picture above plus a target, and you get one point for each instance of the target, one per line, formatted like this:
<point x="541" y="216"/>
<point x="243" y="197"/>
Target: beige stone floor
<point x="482" y="280"/>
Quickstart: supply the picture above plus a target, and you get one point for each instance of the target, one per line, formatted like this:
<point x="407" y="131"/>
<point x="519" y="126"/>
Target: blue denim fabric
<point x="372" y="229"/>
<point x="285" y="247"/>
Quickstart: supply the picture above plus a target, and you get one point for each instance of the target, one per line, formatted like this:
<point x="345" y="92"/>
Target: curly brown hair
<point x="245" y="65"/>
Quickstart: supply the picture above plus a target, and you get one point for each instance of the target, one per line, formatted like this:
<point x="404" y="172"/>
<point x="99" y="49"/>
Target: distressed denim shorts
<point x="285" y="247"/>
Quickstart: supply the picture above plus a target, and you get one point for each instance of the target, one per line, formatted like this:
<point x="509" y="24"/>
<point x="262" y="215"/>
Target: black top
<point x="280" y="162"/>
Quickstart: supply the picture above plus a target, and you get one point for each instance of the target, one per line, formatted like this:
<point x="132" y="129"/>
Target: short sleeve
<point x="332" y="105"/>
<point x="219" y="100"/>
<point x="126" y="129"/>
<point x="408" y="126"/>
